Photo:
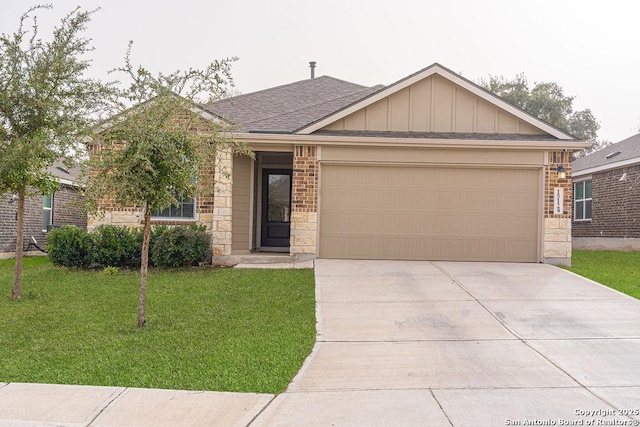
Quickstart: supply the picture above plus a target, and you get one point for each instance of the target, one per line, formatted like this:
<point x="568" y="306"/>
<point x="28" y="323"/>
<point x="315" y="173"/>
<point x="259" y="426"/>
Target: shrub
<point x="109" y="271"/>
<point x="69" y="246"/>
<point x="180" y="246"/>
<point x="117" y="246"/>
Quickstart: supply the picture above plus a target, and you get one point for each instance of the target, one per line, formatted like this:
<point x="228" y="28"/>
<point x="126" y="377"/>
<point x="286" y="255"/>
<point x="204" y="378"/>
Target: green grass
<point x="617" y="270"/>
<point x="222" y="329"/>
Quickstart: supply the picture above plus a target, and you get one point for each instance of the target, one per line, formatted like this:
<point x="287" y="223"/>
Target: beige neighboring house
<point x="432" y="167"/>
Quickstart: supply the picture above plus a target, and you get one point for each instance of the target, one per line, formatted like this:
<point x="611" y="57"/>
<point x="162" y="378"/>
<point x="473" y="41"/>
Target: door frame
<point x="258" y="192"/>
<point x="264" y="213"/>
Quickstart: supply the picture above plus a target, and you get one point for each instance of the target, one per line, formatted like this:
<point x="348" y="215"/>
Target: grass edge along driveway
<point x="208" y="329"/>
<point x="617" y="270"/>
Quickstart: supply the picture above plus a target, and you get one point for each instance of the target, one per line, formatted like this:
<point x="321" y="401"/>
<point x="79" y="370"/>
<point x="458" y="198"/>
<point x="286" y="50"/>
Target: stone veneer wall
<point x="304" y="204"/>
<point x="557" y="228"/>
<point x="222" y="223"/>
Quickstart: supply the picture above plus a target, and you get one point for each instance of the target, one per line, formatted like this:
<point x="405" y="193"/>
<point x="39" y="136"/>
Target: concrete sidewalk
<point x="412" y="343"/>
<point x="70" y="405"/>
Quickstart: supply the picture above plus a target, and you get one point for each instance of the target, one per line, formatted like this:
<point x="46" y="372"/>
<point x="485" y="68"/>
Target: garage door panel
<point x="466" y="249"/>
<point x="439" y="213"/>
<point x="433" y="226"/>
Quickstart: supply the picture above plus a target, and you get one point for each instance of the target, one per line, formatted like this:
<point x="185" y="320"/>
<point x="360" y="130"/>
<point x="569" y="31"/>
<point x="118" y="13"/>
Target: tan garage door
<point x="429" y="213"/>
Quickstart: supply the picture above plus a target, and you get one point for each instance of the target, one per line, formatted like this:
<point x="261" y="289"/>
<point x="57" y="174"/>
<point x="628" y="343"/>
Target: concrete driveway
<point x="443" y="343"/>
<point x="411" y="344"/>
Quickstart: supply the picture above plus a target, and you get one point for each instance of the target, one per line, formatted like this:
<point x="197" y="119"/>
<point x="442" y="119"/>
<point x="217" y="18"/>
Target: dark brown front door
<point x="276" y="207"/>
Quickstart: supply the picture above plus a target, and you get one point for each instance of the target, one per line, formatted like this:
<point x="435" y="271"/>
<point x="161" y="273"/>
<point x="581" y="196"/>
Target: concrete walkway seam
<point x="110" y="402"/>
<point x="441" y="408"/>
<point x="262" y="410"/>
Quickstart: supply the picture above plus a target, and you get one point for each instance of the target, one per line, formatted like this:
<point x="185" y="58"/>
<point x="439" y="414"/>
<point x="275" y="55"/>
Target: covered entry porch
<point x="261" y="207"/>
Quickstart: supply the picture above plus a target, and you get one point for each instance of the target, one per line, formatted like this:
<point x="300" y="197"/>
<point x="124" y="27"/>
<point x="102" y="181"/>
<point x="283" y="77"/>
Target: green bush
<point x="69" y="246"/>
<point x="117" y="246"/>
<point x="180" y="246"/>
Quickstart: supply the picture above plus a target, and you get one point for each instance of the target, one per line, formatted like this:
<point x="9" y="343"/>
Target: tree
<point x="46" y="108"/>
<point x="547" y="101"/>
<point x="149" y="156"/>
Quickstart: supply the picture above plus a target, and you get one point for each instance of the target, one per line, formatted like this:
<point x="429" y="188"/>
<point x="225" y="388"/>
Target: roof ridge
<point x="312" y="105"/>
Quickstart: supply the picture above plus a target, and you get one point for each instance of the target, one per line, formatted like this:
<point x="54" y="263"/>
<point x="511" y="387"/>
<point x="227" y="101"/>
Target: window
<point x="184" y="210"/>
<point x="47" y="217"/>
<point x="582" y="204"/>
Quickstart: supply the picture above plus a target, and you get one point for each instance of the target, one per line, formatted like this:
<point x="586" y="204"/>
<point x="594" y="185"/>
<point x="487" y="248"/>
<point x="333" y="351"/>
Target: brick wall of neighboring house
<point x="304" y="200"/>
<point x="63" y="213"/>
<point x="615" y="205"/>
<point x="67" y="207"/>
<point x="557" y="227"/>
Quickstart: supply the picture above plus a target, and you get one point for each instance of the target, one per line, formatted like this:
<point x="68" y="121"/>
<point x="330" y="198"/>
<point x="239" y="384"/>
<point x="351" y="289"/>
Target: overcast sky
<point x="590" y="48"/>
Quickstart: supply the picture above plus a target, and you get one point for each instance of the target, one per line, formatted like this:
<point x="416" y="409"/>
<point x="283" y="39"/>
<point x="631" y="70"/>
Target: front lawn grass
<point x="207" y="329"/>
<point x="617" y="270"/>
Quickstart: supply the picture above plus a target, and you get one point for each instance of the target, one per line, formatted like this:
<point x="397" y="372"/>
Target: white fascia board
<point x="606" y="167"/>
<point x="68" y="182"/>
<point x="581" y="178"/>
<point x="436" y="69"/>
<point x="207" y="115"/>
<point x="362" y="141"/>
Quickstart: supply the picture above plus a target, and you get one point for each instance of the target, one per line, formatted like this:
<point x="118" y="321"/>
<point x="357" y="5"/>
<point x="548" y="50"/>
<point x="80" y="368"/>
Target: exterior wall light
<point x="562" y="173"/>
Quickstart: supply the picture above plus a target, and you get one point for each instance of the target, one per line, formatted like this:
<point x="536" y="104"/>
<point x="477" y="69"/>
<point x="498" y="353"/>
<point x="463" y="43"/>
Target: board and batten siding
<point x="241" y="205"/>
<point x="434" y="104"/>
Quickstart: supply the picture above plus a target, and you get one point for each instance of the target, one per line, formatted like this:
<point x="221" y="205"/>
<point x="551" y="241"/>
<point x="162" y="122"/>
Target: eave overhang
<point x="320" y="140"/>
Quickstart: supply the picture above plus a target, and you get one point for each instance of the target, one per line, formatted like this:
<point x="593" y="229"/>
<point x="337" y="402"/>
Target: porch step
<point x="266" y="259"/>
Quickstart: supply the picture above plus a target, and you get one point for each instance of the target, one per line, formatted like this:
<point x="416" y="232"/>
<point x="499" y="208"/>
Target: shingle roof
<point x="629" y="149"/>
<point x="291" y="106"/>
<point x="60" y="170"/>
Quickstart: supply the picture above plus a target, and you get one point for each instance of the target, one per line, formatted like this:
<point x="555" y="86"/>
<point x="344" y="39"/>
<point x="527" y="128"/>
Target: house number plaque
<point x="558" y="198"/>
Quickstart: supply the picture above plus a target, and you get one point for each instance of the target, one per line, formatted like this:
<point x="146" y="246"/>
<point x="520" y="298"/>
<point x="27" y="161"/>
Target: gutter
<point x="409" y="142"/>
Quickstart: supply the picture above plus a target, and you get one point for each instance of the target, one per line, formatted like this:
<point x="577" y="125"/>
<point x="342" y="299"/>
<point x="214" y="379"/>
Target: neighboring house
<point x="42" y="212"/>
<point x="432" y="167"/>
<point x="607" y="198"/>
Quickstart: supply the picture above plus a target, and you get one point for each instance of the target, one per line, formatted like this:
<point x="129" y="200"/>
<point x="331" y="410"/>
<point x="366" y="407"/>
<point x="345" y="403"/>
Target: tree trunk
<point x="17" y="275"/>
<point x="144" y="266"/>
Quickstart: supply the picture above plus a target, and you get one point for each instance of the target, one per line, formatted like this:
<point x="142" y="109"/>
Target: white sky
<point x="590" y="48"/>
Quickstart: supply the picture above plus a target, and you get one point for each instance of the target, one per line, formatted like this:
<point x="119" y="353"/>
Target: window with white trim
<point x="47" y="212"/>
<point x="582" y="200"/>
<point x="185" y="209"/>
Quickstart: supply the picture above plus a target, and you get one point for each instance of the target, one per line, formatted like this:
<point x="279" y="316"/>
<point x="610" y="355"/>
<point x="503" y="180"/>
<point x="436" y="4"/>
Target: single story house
<point x="42" y="212"/>
<point x="606" y="198"/>
<point x="432" y="167"/>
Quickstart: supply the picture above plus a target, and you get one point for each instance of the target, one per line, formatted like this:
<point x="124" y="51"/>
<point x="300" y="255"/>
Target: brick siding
<point x="615" y="204"/>
<point x="304" y="202"/>
<point x="64" y="212"/>
<point x="557" y="158"/>
<point x="305" y="179"/>
<point x="557" y="227"/>
<point x="204" y="196"/>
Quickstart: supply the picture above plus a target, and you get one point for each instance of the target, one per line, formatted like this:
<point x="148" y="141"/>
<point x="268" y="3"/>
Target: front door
<point x="276" y="207"/>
